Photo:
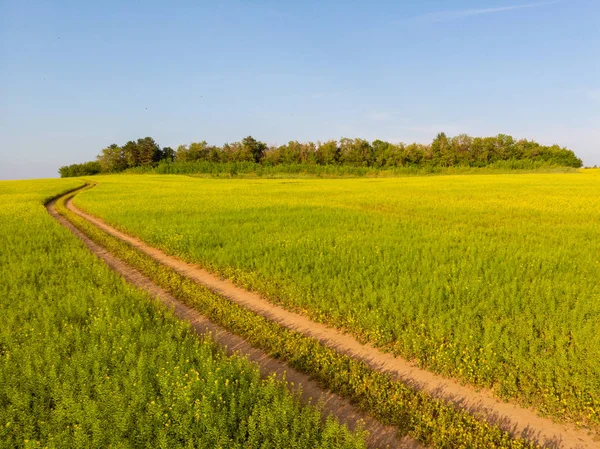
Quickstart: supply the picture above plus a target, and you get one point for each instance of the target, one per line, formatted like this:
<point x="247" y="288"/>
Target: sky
<point x="77" y="76"/>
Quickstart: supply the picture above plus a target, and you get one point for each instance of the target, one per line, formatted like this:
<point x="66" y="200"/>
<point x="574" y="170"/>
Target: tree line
<point x="444" y="151"/>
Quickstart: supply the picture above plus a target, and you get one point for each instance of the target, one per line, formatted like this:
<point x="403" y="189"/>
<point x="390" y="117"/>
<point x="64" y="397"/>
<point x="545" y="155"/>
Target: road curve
<point x="346" y="413"/>
<point x="519" y="421"/>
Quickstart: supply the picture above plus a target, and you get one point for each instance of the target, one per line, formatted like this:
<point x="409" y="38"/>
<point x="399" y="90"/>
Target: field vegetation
<point x="254" y="170"/>
<point x="88" y="361"/>
<point x="431" y="421"/>
<point x="489" y="279"/>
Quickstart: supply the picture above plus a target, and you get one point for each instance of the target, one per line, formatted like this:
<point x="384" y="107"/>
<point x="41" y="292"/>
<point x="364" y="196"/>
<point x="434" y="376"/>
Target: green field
<point x="491" y="279"/>
<point x="88" y="361"/>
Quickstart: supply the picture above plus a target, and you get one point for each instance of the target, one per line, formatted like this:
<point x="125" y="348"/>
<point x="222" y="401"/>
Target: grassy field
<point x="88" y="361"/>
<point x="491" y="279"/>
<point x="417" y="414"/>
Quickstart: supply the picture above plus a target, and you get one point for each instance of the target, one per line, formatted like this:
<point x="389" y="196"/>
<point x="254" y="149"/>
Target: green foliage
<point x="148" y="150"/>
<point x="489" y="279"/>
<point x="293" y="152"/>
<point x="167" y="154"/>
<point x="132" y="154"/>
<point x="88" y="361"/>
<point x="144" y="152"/>
<point x="433" y="422"/>
<point x="356" y="152"/>
<point x="462" y="151"/>
<point x="256" y="148"/>
<point x="328" y="153"/>
<point x="459" y="151"/>
<point x="265" y="170"/>
<point x="114" y="159"/>
<point x="85" y="169"/>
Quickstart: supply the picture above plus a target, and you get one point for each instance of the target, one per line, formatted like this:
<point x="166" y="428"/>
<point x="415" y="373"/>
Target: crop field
<point x="489" y="279"/>
<point x="88" y="361"/>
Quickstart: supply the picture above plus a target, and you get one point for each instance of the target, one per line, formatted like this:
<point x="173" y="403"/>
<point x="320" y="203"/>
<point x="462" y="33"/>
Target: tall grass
<point x="88" y="361"/>
<point x="490" y="279"/>
<point x="433" y="422"/>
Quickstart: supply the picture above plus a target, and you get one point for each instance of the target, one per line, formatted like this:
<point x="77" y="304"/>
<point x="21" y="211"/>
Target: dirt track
<point x="311" y="392"/>
<point x="517" y="420"/>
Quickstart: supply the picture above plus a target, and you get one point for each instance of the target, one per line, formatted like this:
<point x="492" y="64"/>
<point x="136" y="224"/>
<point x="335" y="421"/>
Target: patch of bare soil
<point x="346" y="413"/>
<point x="519" y="421"/>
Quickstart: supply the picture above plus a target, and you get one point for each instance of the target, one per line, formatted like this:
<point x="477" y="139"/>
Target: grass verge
<point x="433" y="422"/>
<point x="88" y="361"/>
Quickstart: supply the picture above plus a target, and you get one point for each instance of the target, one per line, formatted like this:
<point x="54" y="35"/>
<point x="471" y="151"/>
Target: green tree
<point x="441" y="151"/>
<point x="395" y="155"/>
<point x="287" y="154"/>
<point x="380" y="153"/>
<point x="132" y="154"/>
<point x="415" y="154"/>
<point x="85" y="169"/>
<point x="272" y="156"/>
<point x="112" y="159"/>
<point x="237" y="152"/>
<point x="356" y="152"/>
<point x="504" y="148"/>
<point x="167" y="154"/>
<point x="254" y="147"/>
<point x="479" y="153"/>
<point x="215" y="153"/>
<point x="296" y="153"/>
<point x="198" y="151"/>
<point x="460" y="147"/>
<point x="149" y="151"/>
<point x="490" y="146"/>
<point x="328" y="153"/>
<point x="181" y="154"/>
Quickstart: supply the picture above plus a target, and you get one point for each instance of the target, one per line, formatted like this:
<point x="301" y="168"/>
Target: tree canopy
<point x="443" y="151"/>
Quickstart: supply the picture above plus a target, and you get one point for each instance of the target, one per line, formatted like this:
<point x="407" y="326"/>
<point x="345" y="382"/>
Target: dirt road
<point x="311" y="392"/>
<point x="519" y="421"/>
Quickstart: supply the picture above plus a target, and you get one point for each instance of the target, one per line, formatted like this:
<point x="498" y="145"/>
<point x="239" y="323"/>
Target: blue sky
<point x="78" y="76"/>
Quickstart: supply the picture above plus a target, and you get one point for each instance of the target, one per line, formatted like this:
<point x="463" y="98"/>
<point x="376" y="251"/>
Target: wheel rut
<point x="380" y="436"/>
<point x="518" y="421"/>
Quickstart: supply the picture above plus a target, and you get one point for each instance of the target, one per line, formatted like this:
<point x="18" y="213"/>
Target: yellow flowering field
<point x="492" y="279"/>
<point x="88" y="361"/>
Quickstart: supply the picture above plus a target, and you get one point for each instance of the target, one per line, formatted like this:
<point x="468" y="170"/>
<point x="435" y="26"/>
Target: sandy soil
<point x="519" y="421"/>
<point x="346" y="413"/>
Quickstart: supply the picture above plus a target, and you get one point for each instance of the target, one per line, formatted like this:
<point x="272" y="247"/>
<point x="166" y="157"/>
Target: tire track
<point x="346" y="413"/>
<point x="518" y="421"/>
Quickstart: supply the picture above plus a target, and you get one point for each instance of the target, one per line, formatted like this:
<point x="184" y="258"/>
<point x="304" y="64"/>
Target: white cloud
<point x="444" y="16"/>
